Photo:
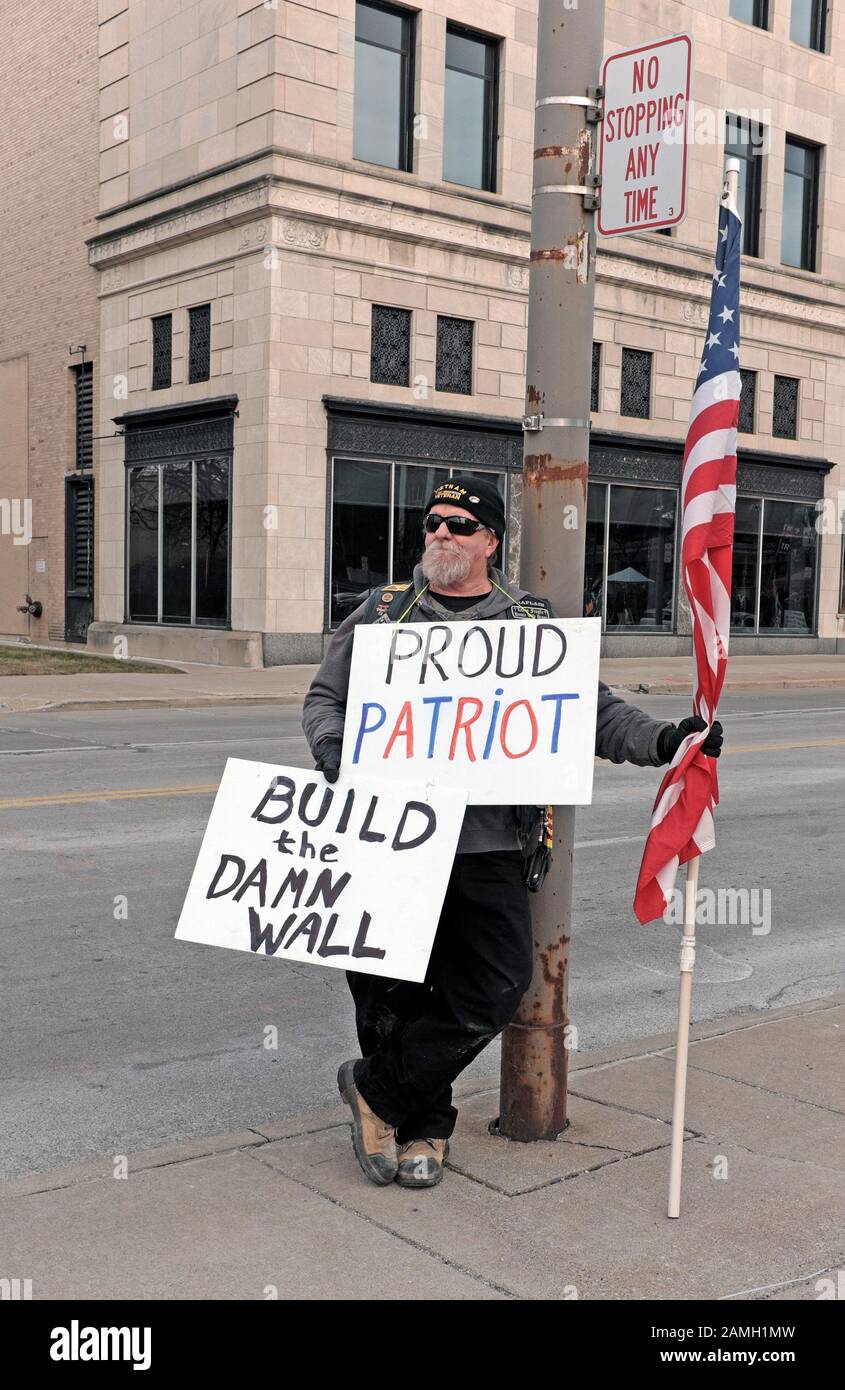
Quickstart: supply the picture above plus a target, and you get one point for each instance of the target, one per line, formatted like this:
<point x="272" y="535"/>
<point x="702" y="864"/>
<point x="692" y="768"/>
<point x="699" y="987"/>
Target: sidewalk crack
<point x="767" y="1090"/>
<point x="389" y="1230"/>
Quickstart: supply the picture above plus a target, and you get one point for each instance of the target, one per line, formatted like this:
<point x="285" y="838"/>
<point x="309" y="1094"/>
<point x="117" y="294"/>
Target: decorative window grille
<point x="595" y="377"/>
<point x="199" y="343"/>
<point x="390" y="346"/>
<point x="785" y="408"/>
<point x="636" y="383"/>
<point x="747" y="401"/>
<point x="454" y="355"/>
<point x="162" y="351"/>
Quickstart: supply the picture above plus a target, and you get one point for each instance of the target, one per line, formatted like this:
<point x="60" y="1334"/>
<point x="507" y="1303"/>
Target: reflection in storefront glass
<point x="412" y="488"/>
<point x="142" y="579"/>
<point x="640" y="558"/>
<point x="594" y="549"/>
<point x="360" y="525"/>
<point x="744" y="580"/>
<point x="361" y="522"/>
<point x="212" y="540"/>
<point x="788" y="569"/>
<point x="176" y="543"/>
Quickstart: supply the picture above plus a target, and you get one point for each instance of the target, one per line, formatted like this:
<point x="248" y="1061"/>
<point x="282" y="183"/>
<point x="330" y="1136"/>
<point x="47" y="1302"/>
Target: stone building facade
<point x="311" y="241"/>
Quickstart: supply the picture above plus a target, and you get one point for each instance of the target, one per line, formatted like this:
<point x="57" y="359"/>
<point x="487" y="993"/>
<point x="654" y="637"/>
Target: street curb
<point x="685" y="687"/>
<point x="297" y="696"/>
<point x="142" y="702"/>
<point x="333" y="1117"/>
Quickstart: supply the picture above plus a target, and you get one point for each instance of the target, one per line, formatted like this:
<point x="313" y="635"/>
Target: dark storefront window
<point x="640" y="558"/>
<point x="629" y="560"/>
<point x="745" y="561"/>
<point x="412" y="487"/>
<point x="469" y="143"/>
<point x="383" y="85"/>
<point x="177" y="483"/>
<point x="788" y="568"/>
<point x="142" y="579"/>
<point x="212" y="539"/>
<point x="179" y="512"/>
<point x="377" y="515"/>
<point x="594" y="549"/>
<point x="360" y="532"/>
<point x="775" y="563"/>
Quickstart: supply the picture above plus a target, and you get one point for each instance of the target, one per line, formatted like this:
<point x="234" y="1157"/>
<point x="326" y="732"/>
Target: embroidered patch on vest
<point x="530" y="607"/>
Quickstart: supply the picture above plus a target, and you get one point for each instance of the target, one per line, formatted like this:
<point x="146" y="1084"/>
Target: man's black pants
<point x="416" y="1038"/>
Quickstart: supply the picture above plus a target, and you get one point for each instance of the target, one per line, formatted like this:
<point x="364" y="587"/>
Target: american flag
<point x="682" y="820"/>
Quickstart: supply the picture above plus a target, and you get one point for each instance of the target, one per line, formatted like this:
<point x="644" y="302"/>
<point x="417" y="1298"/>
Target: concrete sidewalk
<point x="283" y="1210"/>
<point x="196" y="685"/>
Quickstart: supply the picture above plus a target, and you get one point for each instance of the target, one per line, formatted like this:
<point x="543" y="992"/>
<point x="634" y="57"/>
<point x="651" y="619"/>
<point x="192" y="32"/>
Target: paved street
<point x="116" y="1038"/>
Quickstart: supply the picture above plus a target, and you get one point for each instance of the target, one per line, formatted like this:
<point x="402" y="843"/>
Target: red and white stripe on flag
<point x="682" y="820"/>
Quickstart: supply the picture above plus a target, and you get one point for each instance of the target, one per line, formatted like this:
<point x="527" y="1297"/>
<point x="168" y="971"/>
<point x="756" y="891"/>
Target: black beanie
<point x="480" y="496"/>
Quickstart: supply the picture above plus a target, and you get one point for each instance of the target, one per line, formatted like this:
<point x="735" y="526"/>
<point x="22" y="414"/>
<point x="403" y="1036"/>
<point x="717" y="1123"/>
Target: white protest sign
<point x="505" y="710"/>
<point x="643" y="140"/>
<point x="351" y="875"/>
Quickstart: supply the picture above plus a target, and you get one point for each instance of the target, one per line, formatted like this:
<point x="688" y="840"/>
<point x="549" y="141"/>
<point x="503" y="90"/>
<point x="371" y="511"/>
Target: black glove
<point x="671" y="739"/>
<point x="328" y="757"/>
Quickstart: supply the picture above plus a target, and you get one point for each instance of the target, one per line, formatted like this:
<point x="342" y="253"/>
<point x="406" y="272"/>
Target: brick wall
<point x="48" y="153"/>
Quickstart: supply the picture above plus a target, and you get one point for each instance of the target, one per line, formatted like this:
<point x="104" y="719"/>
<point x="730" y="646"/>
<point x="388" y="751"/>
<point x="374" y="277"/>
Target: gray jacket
<point x="623" y="732"/>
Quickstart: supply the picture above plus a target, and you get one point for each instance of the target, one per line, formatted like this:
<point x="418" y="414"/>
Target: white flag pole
<point x="682" y="1045"/>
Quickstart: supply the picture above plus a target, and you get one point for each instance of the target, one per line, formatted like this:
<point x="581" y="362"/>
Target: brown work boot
<point x="421" y="1162"/>
<point x="373" y="1140"/>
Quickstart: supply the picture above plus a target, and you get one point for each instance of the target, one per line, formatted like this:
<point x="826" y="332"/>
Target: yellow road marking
<point x="130" y="794"/>
<point x="774" y="747"/>
<point x="135" y="793"/>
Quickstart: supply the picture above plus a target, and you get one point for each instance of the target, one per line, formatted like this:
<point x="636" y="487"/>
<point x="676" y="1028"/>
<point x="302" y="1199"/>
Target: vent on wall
<point x="84" y="388"/>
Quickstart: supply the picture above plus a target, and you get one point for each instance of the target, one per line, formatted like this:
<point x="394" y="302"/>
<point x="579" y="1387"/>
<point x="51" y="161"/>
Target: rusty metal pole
<point x="554" y="499"/>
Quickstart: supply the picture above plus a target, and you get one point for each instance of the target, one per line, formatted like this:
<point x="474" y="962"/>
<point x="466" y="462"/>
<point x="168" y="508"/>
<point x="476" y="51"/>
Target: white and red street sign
<point x="643" y="148"/>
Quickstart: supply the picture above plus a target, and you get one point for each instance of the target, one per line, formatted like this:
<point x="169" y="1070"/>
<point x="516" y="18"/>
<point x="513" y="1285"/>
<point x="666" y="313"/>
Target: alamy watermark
<point x="724" y="907"/>
<point x="16" y="519"/>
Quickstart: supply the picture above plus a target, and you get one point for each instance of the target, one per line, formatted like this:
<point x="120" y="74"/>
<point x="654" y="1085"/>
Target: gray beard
<point x="444" y="563"/>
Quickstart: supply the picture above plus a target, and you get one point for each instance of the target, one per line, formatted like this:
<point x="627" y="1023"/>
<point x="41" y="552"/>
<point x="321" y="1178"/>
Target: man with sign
<point x="417" y="1038"/>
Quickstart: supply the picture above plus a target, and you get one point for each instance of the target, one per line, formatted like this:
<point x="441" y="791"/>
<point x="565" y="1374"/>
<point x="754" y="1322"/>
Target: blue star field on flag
<point x="721" y="345"/>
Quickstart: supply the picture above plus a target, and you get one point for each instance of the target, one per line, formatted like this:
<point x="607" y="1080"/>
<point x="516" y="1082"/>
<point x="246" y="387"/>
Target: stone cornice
<point x="299" y="215"/>
<point x="825" y="309"/>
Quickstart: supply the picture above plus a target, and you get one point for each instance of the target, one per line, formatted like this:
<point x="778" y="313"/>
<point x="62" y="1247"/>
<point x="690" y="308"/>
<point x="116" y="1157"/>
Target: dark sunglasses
<point x="456" y="525"/>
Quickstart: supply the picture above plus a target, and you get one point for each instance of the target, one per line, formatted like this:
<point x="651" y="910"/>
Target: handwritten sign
<point x="351" y="875"/>
<point x="505" y="710"/>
